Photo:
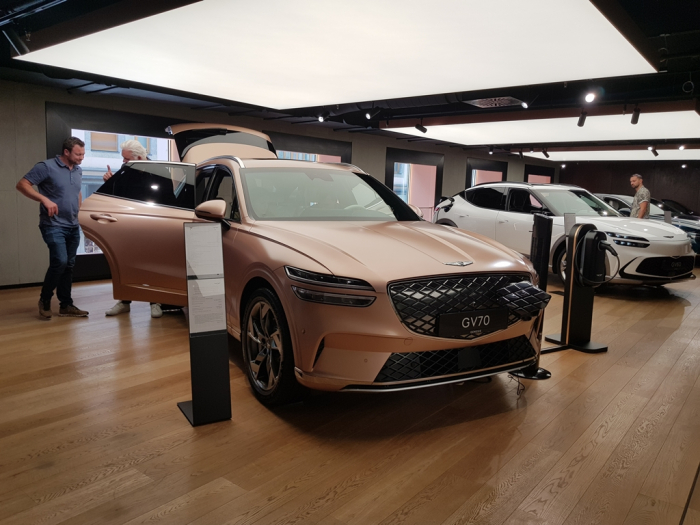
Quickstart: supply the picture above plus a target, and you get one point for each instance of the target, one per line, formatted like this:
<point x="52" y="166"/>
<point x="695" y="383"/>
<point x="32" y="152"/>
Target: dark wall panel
<point x="664" y="179"/>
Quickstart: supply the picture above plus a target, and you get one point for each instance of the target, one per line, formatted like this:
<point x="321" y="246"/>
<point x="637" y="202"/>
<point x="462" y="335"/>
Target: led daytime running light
<point x="322" y="279"/>
<point x="335" y="299"/>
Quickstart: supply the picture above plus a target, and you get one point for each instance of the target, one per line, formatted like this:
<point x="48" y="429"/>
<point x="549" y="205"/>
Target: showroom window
<point x="483" y="176"/>
<point x="491" y="198"/>
<point x="539" y="179"/>
<point x="415" y="184"/>
<point x="309" y="157"/>
<point x="157" y="184"/>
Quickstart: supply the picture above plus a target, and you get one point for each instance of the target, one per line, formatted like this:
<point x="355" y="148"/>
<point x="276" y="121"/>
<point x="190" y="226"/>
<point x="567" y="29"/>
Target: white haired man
<point x="132" y="150"/>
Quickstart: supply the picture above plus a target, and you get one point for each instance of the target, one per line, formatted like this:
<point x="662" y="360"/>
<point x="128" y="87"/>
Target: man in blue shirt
<point x="59" y="181"/>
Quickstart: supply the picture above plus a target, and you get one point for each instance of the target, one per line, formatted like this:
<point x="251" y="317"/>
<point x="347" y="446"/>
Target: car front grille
<point x="420" y="303"/>
<point x="414" y="366"/>
<point x="666" y="266"/>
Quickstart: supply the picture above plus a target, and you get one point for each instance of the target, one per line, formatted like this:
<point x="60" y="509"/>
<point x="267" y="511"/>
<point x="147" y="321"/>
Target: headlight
<point x="323" y="279"/>
<point x="628" y="240"/>
<point x="336" y="299"/>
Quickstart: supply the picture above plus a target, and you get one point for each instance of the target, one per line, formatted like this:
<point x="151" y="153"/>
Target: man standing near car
<point x="642" y="197"/>
<point x="59" y="183"/>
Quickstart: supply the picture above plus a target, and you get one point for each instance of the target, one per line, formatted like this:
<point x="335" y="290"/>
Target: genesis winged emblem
<point x="459" y="263"/>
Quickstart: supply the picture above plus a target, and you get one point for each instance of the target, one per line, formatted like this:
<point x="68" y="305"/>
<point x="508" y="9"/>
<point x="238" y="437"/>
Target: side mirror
<point x="624" y="211"/>
<point x="214" y="210"/>
<point x="416" y="210"/>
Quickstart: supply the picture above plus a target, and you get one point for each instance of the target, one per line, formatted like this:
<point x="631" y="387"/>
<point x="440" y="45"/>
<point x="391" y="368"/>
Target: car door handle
<point x="102" y="217"/>
<point x="501" y="222"/>
<point x="462" y="216"/>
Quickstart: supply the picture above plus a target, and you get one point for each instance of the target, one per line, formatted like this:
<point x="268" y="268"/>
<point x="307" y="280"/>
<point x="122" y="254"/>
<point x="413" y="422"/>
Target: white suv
<point x="650" y="252"/>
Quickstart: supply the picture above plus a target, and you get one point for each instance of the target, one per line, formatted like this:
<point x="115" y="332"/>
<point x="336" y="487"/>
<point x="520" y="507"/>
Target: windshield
<point x="316" y="194"/>
<point x="677" y="207"/>
<point x="576" y="201"/>
<point x="653" y="208"/>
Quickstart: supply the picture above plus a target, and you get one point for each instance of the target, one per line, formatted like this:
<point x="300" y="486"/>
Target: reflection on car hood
<point x="651" y="230"/>
<point x="386" y="251"/>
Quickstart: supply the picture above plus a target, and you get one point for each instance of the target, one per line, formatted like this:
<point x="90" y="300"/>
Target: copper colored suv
<point x="332" y="281"/>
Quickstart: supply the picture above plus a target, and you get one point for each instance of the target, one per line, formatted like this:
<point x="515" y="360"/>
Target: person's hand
<point x="107" y="175"/>
<point x="51" y="207"/>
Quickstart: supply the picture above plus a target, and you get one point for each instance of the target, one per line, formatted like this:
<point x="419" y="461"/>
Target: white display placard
<point x="206" y="299"/>
<point x="668" y="217"/>
<point x="203" y="250"/>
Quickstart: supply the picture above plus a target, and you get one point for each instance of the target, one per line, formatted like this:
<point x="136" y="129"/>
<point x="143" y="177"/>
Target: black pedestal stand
<point x="211" y="388"/>
<point x="539" y="256"/>
<point x="577" y="316"/>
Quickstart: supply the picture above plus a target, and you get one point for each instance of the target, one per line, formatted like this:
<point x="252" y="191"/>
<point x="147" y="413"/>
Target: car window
<point x="223" y="188"/>
<point x="319" y="194"/>
<point x="579" y="202"/>
<point x="202" y="182"/>
<point x="677" y="207"/>
<point x="164" y="184"/>
<point x="522" y="201"/>
<point x="491" y="198"/>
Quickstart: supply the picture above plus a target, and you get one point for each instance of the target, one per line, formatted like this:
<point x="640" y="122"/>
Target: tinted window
<point x="492" y="198"/>
<point x="164" y="184"/>
<point x="522" y="201"/>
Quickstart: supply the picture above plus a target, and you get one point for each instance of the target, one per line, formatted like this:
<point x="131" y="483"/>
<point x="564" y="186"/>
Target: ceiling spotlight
<point x="590" y="97"/>
<point x="582" y="119"/>
<point x="563" y="165"/>
<point x="635" y="115"/>
<point x="524" y="105"/>
<point x="323" y="116"/>
<point x="373" y="113"/>
<point x="684" y="166"/>
<point x="544" y="152"/>
<point x="681" y="147"/>
<point x="653" y="150"/>
<point x="421" y="128"/>
<point x="490" y="150"/>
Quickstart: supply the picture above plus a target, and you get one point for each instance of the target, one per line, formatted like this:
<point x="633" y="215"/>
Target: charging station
<point x="585" y="254"/>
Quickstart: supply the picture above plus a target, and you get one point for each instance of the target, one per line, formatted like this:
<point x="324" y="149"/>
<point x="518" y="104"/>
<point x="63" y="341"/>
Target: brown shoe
<point x="71" y="311"/>
<point x="44" y="310"/>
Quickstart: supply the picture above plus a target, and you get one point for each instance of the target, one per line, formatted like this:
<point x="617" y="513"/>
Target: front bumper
<point x="357" y="368"/>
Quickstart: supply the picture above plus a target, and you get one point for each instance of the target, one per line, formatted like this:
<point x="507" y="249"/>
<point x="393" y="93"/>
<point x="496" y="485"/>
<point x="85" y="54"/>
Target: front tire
<point x="267" y="350"/>
<point x="559" y="262"/>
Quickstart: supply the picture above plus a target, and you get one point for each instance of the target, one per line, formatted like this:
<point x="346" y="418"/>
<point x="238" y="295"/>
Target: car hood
<point x="651" y="230"/>
<point x="380" y="252"/>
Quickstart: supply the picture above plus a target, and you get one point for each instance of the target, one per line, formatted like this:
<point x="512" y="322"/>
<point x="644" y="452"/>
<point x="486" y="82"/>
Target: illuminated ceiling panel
<point x="651" y="126"/>
<point x="284" y="55"/>
<point x="642" y="154"/>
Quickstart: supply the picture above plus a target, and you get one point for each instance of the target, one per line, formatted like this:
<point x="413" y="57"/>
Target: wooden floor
<point x="90" y="431"/>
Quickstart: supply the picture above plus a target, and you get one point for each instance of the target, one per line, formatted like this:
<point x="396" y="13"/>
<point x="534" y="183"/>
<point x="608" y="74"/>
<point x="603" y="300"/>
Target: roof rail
<point x="348" y="165"/>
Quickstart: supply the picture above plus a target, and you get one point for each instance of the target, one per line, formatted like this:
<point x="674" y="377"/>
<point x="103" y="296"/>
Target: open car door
<point x="198" y="142"/>
<point x="136" y="218"/>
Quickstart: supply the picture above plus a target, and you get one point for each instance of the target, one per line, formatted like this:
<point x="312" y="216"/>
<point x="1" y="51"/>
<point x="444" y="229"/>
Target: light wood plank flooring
<point x="90" y="432"/>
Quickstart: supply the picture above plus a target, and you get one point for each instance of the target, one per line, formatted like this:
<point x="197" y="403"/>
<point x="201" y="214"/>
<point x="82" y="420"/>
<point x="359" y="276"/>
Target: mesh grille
<point x="421" y="365"/>
<point x="667" y="266"/>
<point x="419" y="303"/>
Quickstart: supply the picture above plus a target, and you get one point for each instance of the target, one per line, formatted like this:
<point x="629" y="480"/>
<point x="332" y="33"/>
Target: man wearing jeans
<point x="59" y="182"/>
